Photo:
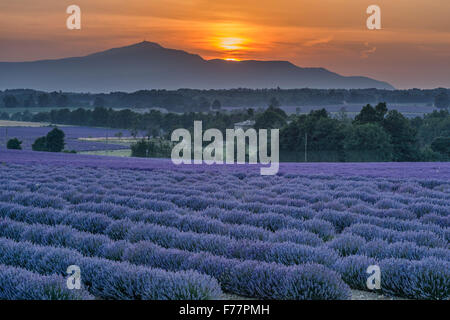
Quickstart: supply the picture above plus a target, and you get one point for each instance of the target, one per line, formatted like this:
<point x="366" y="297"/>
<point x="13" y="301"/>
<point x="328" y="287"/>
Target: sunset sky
<point x="412" y="49"/>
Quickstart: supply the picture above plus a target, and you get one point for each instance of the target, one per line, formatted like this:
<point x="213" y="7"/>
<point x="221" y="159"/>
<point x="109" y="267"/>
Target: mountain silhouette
<point x="147" y="65"/>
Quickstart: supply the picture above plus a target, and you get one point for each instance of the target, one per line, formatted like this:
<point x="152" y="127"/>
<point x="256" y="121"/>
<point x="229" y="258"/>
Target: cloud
<point x="315" y="42"/>
<point x="365" y="53"/>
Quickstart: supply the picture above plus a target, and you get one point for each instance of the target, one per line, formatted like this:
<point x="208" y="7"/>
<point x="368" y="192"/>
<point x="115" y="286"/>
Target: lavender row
<point x="425" y="171"/>
<point x="149" y="254"/>
<point x="248" y="278"/>
<point x="88" y="220"/>
<point x="107" y="279"/>
<point x="425" y="211"/>
<point x="324" y="229"/>
<point x="163" y="205"/>
<point x="345" y="244"/>
<point x="21" y="284"/>
<point x="89" y="244"/>
<point x="425" y="279"/>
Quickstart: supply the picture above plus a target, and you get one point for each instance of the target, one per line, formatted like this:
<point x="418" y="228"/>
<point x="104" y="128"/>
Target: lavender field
<point x="29" y="134"/>
<point x="146" y="229"/>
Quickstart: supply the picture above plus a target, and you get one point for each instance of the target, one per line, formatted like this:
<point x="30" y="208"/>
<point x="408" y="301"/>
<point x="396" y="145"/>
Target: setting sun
<point x="231" y="43"/>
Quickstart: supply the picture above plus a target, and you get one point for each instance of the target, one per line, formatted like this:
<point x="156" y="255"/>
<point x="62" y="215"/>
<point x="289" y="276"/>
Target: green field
<point x="113" y="153"/>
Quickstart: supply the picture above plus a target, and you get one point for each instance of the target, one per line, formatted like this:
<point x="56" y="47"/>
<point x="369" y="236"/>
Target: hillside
<point x="148" y="65"/>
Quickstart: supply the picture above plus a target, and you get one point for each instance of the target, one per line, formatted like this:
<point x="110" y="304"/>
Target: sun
<point x="231" y="43"/>
<point x="231" y="59"/>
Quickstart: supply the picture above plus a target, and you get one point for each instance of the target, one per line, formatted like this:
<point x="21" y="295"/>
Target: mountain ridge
<point x="148" y="65"/>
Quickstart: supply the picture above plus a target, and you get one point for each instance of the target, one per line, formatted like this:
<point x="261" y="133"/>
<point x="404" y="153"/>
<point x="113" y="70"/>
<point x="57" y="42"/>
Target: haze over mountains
<point x="147" y="65"/>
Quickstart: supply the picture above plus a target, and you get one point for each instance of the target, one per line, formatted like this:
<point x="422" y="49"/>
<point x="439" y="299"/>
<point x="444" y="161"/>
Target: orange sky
<point x="412" y="50"/>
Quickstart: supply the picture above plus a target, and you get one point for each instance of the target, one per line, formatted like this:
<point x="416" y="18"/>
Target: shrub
<point x="40" y="144"/>
<point x="246" y="278"/>
<point x="353" y="270"/>
<point x="110" y="280"/>
<point x="52" y="142"/>
<point x="425" y="279"/>
<point x="21" y="284"/>
<point x="347" y="244"/>
<point x="14" y="144"/>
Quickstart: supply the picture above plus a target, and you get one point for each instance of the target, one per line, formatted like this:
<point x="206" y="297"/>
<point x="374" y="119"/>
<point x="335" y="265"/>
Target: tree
<point x="29" y="102"/>
<point x="55" y="140"/>
<point x="141" y="149"/>
<point x="216" y="105"/>
<point x="10" y="101"/>
<point x="441" y="145"/>
<point x="269" y="119"/>
<point x="274" y="103"/>
<point x="442" y="100"/>
<point x="278" y="111"/>
<point x="99" y="102"/>
<point x="43" y="100"/>
<point x="40" y="144"/>
<point x="369" y="114"/>
<point x="327" y="135"/>
<point x="62" y="101"/>
<point x="134" y="132"/>
<point x="369" y="137"/>
<point x="202" y="105"/>
<point x="403" y="136"/>
<point x="100" y="116"/>
<point x="78" y="116"/>
<point x="315" y="115"/>
<point x="381" y="110"/>
<point x="4" y="116"/>
<point x="14" y="144"/>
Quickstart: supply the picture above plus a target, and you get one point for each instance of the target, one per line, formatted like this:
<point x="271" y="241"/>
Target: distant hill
<point x="147" y="65"/>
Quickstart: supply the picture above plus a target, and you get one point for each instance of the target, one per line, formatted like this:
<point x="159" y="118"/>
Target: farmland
<point x="145" y="229"/>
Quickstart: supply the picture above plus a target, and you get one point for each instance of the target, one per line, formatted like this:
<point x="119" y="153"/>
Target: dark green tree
<point x="203" y="105"/>
<point x="44" y="100"/>
<point x="441" y="145"/>
<point x="274" y="103"/>
<point x="14" y="144"/>
<point x="100" y="117"/>
<point x="216" y="105"/>
<point x="29" y="102"/>
<point x="55" y="140"/>
<point x="369" y="114"/>
<point x="10" y="101"/>
<point x="442" y="100"/>
<point x="270" y="119"/>
<point x="62" y="101"/>
<point x="327" y="135"/>
<point x="4" y="115"/>
<point x="141" y="149"/>
<point x="99" y="102"/>
<point x="369" y="137"/>
<point x="40" y="144"/>
<point x="403" y="137"/>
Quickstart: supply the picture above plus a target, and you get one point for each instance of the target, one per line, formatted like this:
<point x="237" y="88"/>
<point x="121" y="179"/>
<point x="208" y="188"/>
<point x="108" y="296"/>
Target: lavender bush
<point x="21" y="284"/>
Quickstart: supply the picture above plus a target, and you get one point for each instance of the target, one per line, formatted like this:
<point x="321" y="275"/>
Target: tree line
<point x="190" y="100"/>
<point x="375" y="134"/>
<point x="153" y="123"/>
